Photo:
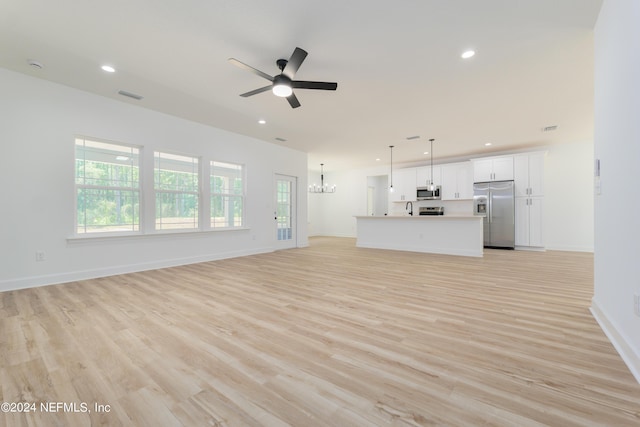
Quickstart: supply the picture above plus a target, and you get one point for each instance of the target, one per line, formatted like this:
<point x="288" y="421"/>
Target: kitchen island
<point x="444" y="234"/>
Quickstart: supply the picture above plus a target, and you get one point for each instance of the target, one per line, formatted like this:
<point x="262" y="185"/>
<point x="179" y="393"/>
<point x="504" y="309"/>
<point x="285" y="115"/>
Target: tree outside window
<point x="177" y="191"/>
<point x="227" y="195"/>
<point x="107" y="179"/>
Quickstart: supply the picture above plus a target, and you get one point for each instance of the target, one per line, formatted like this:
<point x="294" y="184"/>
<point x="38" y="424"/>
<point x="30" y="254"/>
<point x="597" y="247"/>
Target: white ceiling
<point x="397" y="65"/>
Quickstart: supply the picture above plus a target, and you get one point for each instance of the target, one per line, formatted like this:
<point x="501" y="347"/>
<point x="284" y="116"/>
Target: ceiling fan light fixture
<point x="282" y="90"/>
<point x="282" y="86"/>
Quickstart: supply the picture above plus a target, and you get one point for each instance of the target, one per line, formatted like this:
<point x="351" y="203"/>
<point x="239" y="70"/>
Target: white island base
<point x="448" y="234"/>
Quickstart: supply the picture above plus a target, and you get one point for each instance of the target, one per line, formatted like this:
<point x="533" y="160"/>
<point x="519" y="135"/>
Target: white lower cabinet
<point x="529" y="221"/>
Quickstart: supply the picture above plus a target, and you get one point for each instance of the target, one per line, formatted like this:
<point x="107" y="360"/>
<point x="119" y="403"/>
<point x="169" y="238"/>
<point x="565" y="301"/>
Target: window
<point x="107" y="187"/>
<point x="177" y="191"/>
<point x="227" y="195"/>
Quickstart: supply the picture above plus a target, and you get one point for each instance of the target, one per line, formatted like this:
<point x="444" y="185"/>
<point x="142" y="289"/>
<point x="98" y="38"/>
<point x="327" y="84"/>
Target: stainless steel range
<point x="432" y="210"/>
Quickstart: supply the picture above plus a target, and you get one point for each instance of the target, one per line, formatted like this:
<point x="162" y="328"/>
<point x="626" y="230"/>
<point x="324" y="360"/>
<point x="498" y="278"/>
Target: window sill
<point x="96" y="237"/>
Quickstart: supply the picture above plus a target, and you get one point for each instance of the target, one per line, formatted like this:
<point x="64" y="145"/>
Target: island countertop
<point x="453" y="216"/>
<point x="442" y="234"/>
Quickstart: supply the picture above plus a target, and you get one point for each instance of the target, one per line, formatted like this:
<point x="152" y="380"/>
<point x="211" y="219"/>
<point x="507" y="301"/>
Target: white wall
<point x="333" y="214"/>
<point x="568" y="200"/>
<point x="39" y="122"/>
<point x="617" y="145"/>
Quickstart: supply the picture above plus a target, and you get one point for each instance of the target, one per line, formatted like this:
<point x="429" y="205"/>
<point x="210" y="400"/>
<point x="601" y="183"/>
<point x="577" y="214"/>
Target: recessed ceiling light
<point x="426" y="152"/>
<point x="377" y="160"/>
<point x="486" y="144"/>
<point x="108" y="69"/>
<point x="468" y="54"/>
<point x="262" y="121"/>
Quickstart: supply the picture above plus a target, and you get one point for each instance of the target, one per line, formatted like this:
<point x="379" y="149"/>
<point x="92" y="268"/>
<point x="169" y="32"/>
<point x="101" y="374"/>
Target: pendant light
<point x="432" y="186"/>
<point x="391" y="163"/>
<point x="322" y="188"/>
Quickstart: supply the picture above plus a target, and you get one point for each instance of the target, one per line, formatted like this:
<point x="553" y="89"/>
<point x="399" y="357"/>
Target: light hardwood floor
<point x="329" y="335"/>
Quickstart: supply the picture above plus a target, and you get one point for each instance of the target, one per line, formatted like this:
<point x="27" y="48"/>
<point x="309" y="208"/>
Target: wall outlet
<point x="40" y="256"/>
<point x="636" y="304"/>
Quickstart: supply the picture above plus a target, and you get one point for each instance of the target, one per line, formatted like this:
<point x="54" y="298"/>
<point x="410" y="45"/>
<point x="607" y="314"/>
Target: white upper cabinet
<point x="456" y="181"/>
<point x="493" y="169"/>
<point x="423" y="176"/>
<point x="529" y="174"/>
<point x="404" y="185"/>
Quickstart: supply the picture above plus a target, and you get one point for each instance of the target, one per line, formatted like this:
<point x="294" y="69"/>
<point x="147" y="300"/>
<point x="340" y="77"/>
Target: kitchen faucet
<point x="407" y="205"/>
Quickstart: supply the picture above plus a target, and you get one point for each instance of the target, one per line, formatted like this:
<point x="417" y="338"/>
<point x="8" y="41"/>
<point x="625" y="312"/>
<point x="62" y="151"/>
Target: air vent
<point x="409" y="138"/>
<point x="130" y="95"/>
<point x="549" y="128"/>
<point x="35" y="64"/>
<point x="280" y="139"/>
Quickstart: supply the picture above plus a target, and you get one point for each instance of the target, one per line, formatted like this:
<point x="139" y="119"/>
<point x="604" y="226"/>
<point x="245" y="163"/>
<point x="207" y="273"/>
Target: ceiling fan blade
<point x="293" y="101"/>
<point x="255" y="71"/>
<point x="256" y="91"/>
<point x="295" y="62"/>
<point x="301" y="84"/>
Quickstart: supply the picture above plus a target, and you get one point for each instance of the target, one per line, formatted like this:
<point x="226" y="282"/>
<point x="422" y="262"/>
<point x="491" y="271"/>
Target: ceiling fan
<point x="283" y="84"/>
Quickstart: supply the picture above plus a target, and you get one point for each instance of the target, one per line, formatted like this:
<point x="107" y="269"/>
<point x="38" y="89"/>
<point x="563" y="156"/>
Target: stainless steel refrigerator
<point x="495" y="202"/>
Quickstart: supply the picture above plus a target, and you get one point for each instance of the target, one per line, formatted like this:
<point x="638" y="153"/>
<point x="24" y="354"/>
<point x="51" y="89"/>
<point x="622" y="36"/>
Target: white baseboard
<point x="54" y="279"/>
<point x="566" y="248"/>
<point x="530" y="248"/>
<point x="622" y="345"/>
<point x="333" y="235"/>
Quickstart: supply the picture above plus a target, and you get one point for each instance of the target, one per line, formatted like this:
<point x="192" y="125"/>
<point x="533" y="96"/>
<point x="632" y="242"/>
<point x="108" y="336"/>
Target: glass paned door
<point x="285" y="211"/>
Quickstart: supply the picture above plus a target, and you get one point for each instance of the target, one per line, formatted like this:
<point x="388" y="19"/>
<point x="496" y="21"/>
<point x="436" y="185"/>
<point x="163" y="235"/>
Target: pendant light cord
<point x="431" y="182"/>
<point x="391" y="164"/>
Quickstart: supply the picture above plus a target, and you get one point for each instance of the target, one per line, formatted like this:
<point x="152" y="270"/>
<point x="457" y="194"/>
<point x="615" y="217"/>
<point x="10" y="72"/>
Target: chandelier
<point x="323" y="188"/>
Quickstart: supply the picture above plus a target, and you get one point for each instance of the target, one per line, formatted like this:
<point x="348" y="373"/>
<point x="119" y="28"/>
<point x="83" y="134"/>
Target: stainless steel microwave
<point x="424" y="193"/>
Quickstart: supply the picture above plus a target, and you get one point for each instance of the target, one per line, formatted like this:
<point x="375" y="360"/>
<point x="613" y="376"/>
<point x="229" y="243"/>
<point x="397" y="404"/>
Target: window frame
<point x="229" y="194"/>
<point x="137" y="218"/>
<point x="143" y="224"/>
<point x="197" y="193"/>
